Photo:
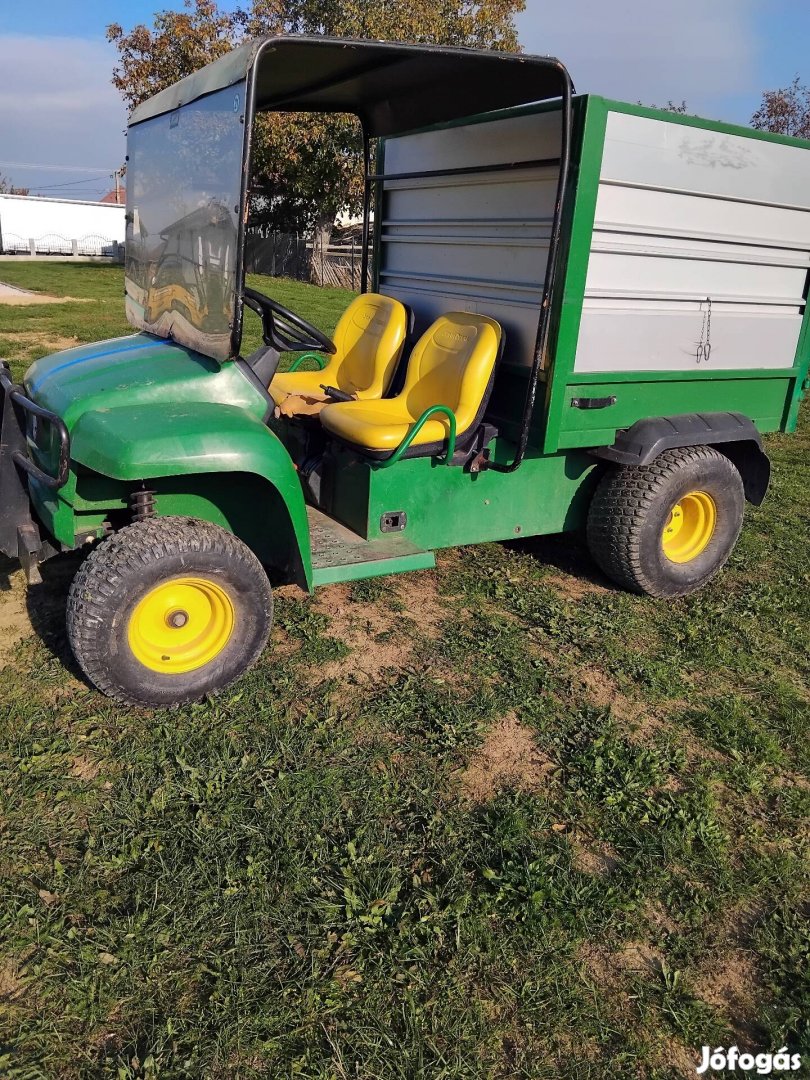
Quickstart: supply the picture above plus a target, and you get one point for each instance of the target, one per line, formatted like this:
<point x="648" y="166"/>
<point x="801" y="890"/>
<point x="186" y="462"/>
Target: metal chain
<point x="704" y="349"/>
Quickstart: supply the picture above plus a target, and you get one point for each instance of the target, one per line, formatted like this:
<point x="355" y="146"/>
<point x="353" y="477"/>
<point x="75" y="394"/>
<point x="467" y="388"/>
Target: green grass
<point x="300" y="878"/>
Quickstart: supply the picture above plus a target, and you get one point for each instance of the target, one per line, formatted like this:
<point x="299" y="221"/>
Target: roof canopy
<point x="392" y="87"/>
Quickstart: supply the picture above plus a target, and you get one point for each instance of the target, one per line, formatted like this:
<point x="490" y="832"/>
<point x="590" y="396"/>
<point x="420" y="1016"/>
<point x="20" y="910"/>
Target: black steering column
<point x="282" y="331"/>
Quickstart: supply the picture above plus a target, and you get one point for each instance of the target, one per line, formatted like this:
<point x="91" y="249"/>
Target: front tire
<point x="168" y="610"/>
<point x="665" y="529"/>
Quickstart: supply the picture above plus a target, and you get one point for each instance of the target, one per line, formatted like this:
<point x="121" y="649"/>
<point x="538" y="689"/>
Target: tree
<point x="785" y="111"/>
<point x="7" y="188"/>
<point x="670" y="107"/>
<point x="179" y="43"/>
<point x="306" y="169"/>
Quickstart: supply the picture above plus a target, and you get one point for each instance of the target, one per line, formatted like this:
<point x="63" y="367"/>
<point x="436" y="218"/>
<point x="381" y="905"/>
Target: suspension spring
<point x="142" y="504"/>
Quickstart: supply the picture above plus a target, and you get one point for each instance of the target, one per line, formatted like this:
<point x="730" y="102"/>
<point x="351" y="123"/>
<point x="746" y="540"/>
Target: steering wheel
<point x="283" y="329"/>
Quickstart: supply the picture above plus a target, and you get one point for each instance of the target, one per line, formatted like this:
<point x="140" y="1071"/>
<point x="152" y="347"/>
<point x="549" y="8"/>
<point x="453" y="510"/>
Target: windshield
<point x="184" y="178"/>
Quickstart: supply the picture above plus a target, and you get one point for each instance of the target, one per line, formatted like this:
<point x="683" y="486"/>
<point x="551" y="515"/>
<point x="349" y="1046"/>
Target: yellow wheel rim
<point x="690" y="527"/>
<point x="181" y="625"/>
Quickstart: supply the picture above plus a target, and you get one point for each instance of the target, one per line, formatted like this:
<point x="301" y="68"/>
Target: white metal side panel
<point x="472" y="241"/>
<point x="700" y="251"/>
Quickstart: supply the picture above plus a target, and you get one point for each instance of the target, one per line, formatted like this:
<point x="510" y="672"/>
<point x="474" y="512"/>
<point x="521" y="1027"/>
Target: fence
<point x="55" y="244"/>
<point x="287" y="255"/>
<point x="276" y="255"/>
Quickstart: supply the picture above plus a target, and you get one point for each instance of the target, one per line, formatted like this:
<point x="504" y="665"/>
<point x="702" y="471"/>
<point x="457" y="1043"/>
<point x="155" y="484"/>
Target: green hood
<point x="128" y="372"/>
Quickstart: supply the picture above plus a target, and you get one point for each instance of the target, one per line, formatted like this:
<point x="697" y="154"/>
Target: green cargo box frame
<point x="650" y="274"/>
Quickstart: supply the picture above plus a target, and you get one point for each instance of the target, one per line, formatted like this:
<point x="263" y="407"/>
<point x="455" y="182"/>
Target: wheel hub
<point x="689" y="527"/>
<point x="181" y="625"/>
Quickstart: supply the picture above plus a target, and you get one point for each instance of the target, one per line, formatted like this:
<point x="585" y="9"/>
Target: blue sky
<point x="58" y="108"/>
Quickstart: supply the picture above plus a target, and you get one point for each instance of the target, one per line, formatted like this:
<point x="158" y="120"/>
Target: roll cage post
<point x="544" y="319"/>
<point x="367" y="180"/>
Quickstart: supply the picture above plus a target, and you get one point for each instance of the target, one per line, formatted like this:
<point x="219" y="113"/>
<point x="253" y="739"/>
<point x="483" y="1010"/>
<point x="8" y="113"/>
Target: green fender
<point x="171" y="440"/>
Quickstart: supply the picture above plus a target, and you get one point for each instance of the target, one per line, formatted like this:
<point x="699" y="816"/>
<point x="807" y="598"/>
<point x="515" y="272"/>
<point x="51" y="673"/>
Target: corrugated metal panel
<point x="701" y="239"/>
<point x="475" y="241"/>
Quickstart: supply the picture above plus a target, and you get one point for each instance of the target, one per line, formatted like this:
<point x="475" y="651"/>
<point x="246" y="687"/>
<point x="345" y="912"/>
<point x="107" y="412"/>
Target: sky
<point x="62" y="121"/>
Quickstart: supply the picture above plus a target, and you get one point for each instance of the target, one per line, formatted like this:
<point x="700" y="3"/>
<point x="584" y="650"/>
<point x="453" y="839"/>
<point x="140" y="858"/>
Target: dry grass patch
<point x="609" y="969"/>
<point x="729" y="977"/>
<point x="380" y="637"/>
<point x="601" y="691"/>
<point x="657" y="915"/>
<point x="679" y="1059"/>
<point x="11" y="985"/>
<point x="729" y="981"/>
<point x="84" y="768"/>
<point x="592" y="856"/>
<point x="373" y="635"/>
<point x="575" y="586"/>
<point x="509" y="757"/>
<point x="15" y="623"/>
<point x="422" y="603"/>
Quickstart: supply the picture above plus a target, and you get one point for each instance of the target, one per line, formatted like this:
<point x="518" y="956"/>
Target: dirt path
<point x="10" y="294"/>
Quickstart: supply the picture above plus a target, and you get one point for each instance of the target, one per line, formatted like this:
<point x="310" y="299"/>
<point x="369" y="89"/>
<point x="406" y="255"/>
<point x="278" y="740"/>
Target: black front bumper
<point x="19" y="533"/>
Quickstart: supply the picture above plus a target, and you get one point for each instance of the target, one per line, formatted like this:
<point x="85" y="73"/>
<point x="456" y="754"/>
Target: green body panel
<point x="583" y="187"/>
<point x="760" y="399"/>
<point x="332" y="575"/>
<point x="449" y="506"/>
<point x="62" y="521"/>
<point x="802" y="368"/>
<point x="133" y="442"/>
<point x="141" y="409"/>
<point x="770" y="397"/>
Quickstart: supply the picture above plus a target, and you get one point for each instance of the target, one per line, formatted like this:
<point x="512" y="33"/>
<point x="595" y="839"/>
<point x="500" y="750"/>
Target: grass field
<point x="497" y="820"/>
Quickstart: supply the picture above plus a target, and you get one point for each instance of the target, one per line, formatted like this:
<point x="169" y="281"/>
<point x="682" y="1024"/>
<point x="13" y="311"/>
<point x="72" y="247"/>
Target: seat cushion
<point x="452" y="364"/>
<point x="379" y="425"/>
<point x="368" y="341"/>
<point x="298" y="382"/>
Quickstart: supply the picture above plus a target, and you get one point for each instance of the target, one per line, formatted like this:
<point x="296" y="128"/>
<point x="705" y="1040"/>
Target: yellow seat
<point x="369" y="338"/>
<point x="451" y="365"/>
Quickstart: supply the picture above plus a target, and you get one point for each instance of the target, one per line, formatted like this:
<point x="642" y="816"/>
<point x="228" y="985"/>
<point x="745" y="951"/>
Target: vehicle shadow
<point x="45" y="606"/>
<point x="567" y="552"/>
<point x="7" y="568"/>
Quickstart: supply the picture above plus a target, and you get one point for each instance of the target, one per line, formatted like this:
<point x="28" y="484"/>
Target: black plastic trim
<point x="646" y="439"/>
<point x="734" y="434"/>
<point x="593" y="402"/>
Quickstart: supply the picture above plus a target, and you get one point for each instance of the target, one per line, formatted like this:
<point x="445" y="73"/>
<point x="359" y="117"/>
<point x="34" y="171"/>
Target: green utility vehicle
<point x="577" y="314"/>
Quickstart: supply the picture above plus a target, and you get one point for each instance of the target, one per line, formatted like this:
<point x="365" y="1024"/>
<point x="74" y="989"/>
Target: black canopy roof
<point x="391" y="86"/>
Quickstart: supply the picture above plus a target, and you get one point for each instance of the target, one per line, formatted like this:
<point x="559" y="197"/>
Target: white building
<point x="33" y="225"/>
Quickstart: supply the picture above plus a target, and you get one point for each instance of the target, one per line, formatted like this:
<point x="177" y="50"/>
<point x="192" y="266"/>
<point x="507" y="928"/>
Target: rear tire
<point x="168" y="610"/>
<point x="665" y="529"/>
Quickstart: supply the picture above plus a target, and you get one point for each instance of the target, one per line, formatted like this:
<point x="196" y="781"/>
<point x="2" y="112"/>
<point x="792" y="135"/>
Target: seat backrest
<point x="369" y="338"/>
<point x="452" y="364"/>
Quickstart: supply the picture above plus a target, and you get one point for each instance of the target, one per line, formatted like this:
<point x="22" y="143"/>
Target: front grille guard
<point x="14" y="402"/>
<point x="19" y="533"/>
